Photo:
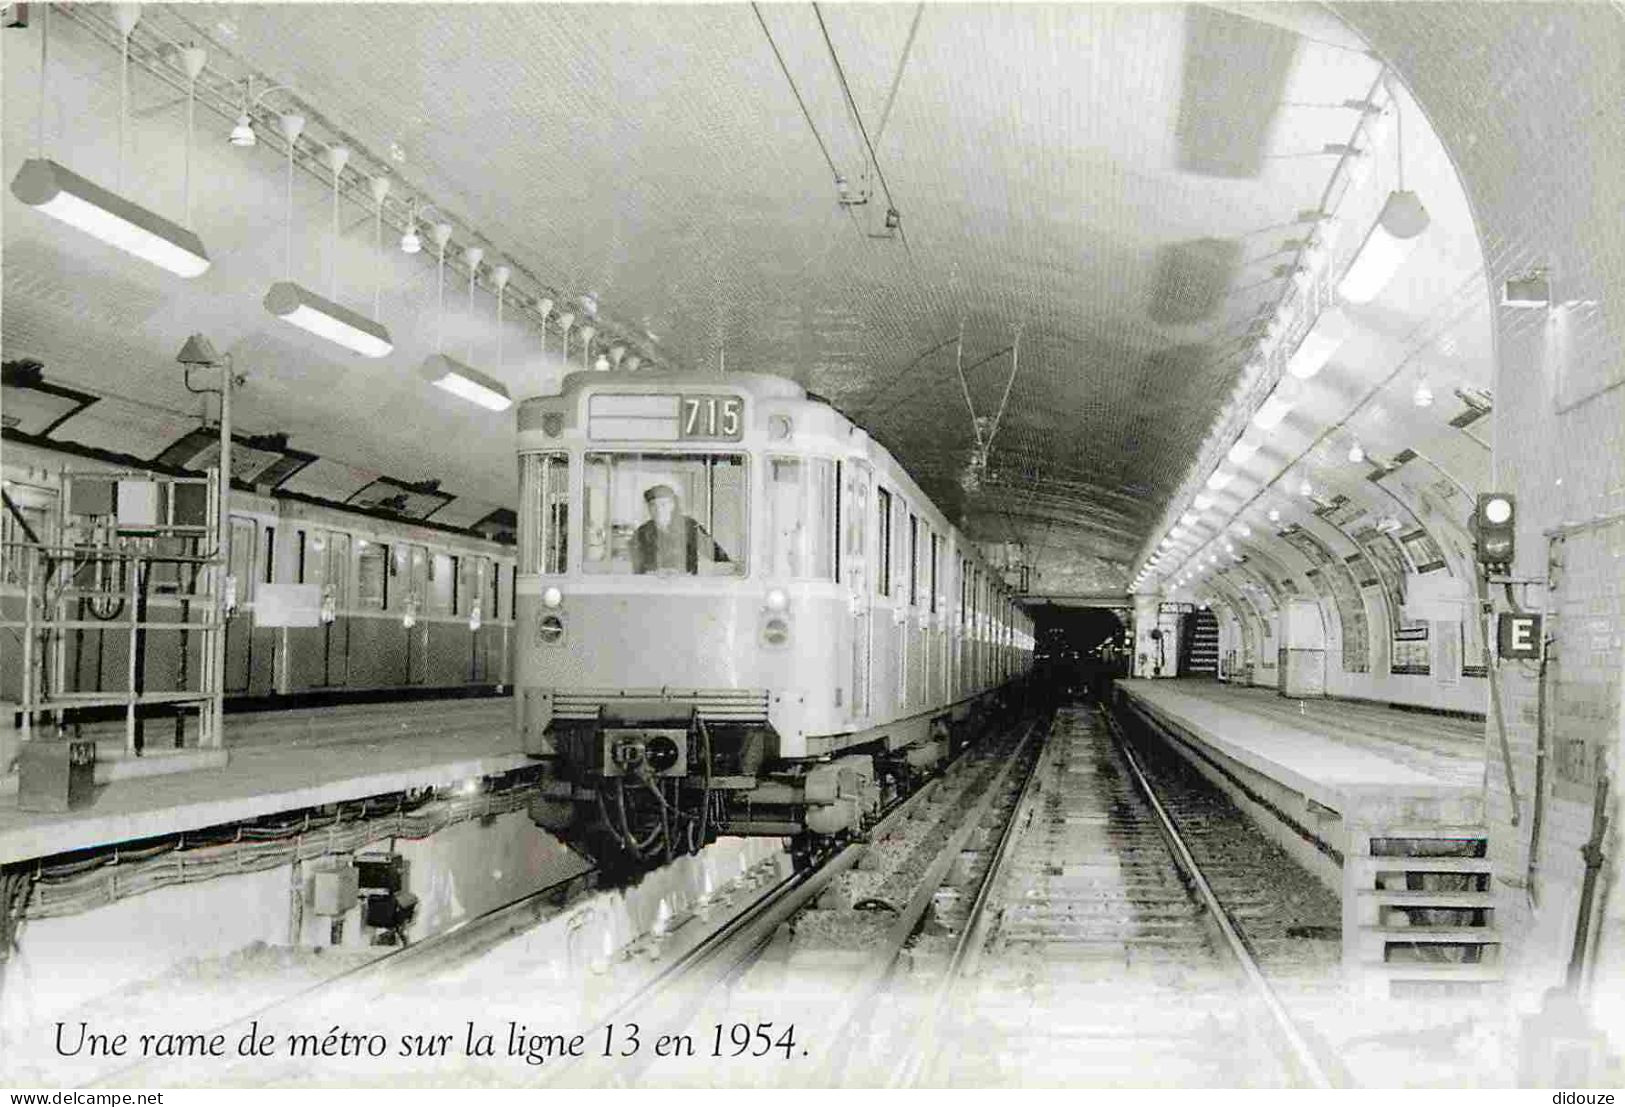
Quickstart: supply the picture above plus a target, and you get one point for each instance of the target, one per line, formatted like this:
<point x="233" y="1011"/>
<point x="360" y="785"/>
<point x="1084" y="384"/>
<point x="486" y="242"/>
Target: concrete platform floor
<point x="282" y="761"/>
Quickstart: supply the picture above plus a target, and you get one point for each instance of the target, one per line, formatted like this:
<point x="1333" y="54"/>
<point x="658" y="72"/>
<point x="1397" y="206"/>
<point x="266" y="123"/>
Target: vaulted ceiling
<point x="1094" y="206"/>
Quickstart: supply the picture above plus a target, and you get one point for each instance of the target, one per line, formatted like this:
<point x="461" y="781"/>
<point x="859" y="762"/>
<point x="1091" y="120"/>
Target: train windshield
<point x="665" y="513"/>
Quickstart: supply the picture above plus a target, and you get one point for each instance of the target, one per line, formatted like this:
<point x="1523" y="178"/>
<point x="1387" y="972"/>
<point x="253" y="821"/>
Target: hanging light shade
<point x="303" y="308"/>
<point x="243" y="133"/>
<point x="47" y="187"/>
<point x="1394" y="235"/>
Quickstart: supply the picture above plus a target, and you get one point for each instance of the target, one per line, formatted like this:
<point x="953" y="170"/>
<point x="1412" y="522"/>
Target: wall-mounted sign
<point x="1518" y="636"/>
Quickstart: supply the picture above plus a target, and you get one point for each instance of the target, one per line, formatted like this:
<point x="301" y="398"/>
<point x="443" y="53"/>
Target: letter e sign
<point x="1518" y="636"/>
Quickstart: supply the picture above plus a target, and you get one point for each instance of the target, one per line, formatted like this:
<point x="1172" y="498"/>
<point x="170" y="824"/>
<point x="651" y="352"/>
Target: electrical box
<point x="333" y="891"/>
<point x="90" y="497"/>
<point x="55" y="776"/>
<point x="389" y="911"/>
<point x="139" y="503"/>
<point x="381" y="872"/>
<point x="191" y="505"/>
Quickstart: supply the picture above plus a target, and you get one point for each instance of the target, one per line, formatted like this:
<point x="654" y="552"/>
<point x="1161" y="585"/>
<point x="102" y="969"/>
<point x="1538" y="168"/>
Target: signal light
<point x="1494" y="521"/>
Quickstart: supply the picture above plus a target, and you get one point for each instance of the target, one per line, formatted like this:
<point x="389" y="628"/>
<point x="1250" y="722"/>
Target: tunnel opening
<point x="1078" y="652"/>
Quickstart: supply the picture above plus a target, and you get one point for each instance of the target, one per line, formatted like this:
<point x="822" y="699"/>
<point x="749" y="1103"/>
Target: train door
<point x="417" y="636"/>
<point x="240" y="623"/>
<point x="337" y="594"/>
<point x="471" y="590"/>
<point x="855" y="562"/>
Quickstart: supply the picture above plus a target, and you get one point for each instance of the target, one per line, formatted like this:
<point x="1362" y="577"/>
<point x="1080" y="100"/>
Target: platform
<point x="1385" y="806"/>
<point x="281" y="761"/>
<point x="1365" y="762"/>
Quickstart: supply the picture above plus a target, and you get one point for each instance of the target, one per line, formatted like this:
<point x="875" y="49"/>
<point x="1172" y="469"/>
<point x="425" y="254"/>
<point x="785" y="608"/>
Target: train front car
<point x="677" y="611"/>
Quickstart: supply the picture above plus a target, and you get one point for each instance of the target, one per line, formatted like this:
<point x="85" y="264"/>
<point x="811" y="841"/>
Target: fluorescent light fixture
<point x="64" y="195"/>
<point x="1318" y="346"/>
<point x="1272" y="410"/>
<point x="303" y="308"/>
<point x="470" y="384"/>
<point x="1423" y="396"/>
<point x="1188" y="518"/>
<point x="1243" y="450"/>
<point x="1394" y="235"/>
<point x="1218" y="479"/>
<point x="1356" y="452"/>
<point x="1202" y="501"/>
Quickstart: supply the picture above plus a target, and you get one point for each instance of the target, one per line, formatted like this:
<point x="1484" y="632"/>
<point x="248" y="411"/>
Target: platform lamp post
<point x="199" y="352"/>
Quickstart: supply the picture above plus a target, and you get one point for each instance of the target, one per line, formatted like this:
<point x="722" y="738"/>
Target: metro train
<point x="735" y="613"/>
<point x="405" y="607"/>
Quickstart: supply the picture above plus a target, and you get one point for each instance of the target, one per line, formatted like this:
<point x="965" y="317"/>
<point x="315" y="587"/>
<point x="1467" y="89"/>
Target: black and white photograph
<point x="772" y="547"/>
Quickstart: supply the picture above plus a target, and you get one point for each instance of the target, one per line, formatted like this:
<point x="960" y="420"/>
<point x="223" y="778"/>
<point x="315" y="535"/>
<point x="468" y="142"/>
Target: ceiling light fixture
<point x="1277" y="405"/>
<point x="1243" y="449"/>
<point x="293" y="303"/>
<point x="446" y="372"/>
<point x="586" y="344"/>
<point x="451" y="375"/>
<point x="410" y="242"/>
<point x="1356" y="452"/>
<point x="1219" y="478"/>
<point x="64" y="195"/>
<point x="53" y="190"/>
<point x="1393" y="237"/>
<point x="1423" y="396"/>
<point x="1318" y="346"/>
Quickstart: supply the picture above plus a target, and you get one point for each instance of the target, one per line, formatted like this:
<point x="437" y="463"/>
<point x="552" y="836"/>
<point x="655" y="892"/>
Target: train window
<point x="418" y="588"/>
<point x="242" y="556"/>
<point x="680" y="514"/>
<point x="337" y="583"/>
<point x="883" y="514"/>
<point x="372" y="575"/>
<point x="857" y="512"/>
<point x="470" y="571"/>
<point x="800" y="502"/>
<point x="442" y="583"/>
<point x="913" y="560"/>
<point x="936" y="549"/>
<point x="270" y="556"/>
<point x="544" y="513"/>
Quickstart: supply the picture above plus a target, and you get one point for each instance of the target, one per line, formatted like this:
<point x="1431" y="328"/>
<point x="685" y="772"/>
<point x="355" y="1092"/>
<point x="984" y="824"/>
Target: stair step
<point x="1466" y="935"/>
<point x="1424" y="864"/>
<point x="1430" y="899"/>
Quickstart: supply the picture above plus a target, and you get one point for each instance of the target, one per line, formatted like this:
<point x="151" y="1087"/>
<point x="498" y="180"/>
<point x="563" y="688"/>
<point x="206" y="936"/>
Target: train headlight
<point x="777" y="599"/>
<point x="550" y="630"/>
<point x="551" y="596"/>
<point x="776" y="631"/>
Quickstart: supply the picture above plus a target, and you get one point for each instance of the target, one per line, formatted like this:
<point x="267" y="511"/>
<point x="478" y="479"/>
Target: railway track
<point x="1093" y="949"/>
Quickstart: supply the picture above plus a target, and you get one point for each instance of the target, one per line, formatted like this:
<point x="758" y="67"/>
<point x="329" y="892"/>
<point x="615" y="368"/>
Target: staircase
<point x="1418" y="910"/>
<point x="1199" y="646"/>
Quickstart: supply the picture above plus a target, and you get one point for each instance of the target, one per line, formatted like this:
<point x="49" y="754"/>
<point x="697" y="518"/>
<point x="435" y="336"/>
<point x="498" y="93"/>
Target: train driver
<point x="671" y="541"/>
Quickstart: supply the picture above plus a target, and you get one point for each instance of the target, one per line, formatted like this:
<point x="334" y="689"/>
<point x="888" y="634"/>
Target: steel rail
<point x="1302" y="1055"/>
<point x="967" y="949"/>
